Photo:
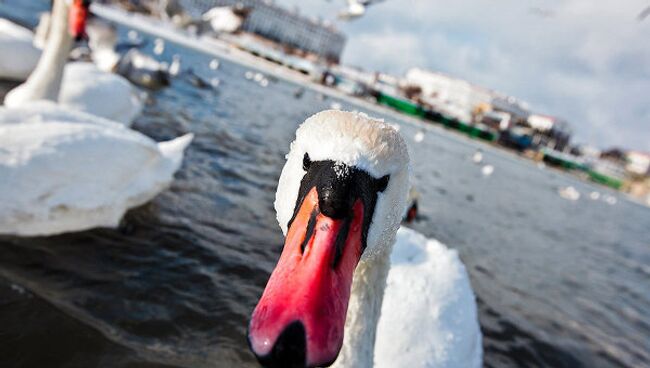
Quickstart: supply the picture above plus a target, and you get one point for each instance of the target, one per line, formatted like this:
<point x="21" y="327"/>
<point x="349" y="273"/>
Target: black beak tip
<point x="289" y="351"/>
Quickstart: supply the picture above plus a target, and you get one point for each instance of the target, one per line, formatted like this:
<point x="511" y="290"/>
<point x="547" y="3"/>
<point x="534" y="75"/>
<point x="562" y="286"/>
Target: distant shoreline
<point x="224" y="50"/>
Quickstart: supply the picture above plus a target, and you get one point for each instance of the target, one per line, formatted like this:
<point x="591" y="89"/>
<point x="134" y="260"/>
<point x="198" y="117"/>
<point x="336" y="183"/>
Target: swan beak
<point x="299" y="320"/>
<point x="77" y="19"/>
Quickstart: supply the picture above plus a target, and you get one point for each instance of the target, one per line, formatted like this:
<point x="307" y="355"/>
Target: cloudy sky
<point x="587" y="61"/>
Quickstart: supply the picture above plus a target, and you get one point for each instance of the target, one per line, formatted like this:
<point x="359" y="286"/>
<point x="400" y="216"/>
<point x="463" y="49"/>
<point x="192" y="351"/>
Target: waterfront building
<point x="637" y="163"/>
<point x="296" y="33"/>
<point x="550" y="131"/>
<point x="452" y="96"/>
<point x="518" y="110"/>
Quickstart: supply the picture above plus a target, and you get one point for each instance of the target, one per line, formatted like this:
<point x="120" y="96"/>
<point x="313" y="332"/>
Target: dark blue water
<point x="559" y="283"/>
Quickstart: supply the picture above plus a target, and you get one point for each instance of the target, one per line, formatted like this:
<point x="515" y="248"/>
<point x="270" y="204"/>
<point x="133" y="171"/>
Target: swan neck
<point x="45" y="81"/>
<point x="364" y="311"/>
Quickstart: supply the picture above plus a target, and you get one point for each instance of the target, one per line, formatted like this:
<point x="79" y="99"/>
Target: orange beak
<point x="77" y="19"/>
<point x="300" y="318"/>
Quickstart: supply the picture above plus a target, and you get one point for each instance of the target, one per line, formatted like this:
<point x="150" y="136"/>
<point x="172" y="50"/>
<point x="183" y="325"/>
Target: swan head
<point x="339" y="202"/>
<point x="77" y="18"/>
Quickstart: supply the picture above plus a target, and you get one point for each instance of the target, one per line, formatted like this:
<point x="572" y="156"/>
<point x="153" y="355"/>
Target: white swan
<point x="107" y="95"/>
<point x="80" y="86"/>
<point x="139" y="68"/>
<point x="570" y="193"/>
<point x="339" y="202"/>
<point x="65" y="171"/>
<point x="19" y="55"/>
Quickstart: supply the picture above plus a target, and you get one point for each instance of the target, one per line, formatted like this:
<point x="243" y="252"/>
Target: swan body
<point x="428" y="315"/>
<point x="134" y="65"/>
<point x="143" y="70"/>
<point x="19" y="55"/>
<point x="87" y="88"/>
<point x="401" y="299"/>
<point x="68" y="171"/>
<point x="80" y="86"/>
<point x="569" y="193"/>
<point x="477" y="157"/>
<point x="487" y="170"/>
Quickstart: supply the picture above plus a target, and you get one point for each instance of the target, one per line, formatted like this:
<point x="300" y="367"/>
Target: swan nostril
<point x="334" y="210"/>
<point x="290" y="349"/>
<point x="336" y="204"/>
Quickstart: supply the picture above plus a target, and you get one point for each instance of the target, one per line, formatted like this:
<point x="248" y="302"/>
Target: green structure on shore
<point x="413" y="109"/>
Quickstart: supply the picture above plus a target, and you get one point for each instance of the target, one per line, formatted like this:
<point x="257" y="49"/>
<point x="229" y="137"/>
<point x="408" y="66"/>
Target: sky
<point x="586" y="61"/>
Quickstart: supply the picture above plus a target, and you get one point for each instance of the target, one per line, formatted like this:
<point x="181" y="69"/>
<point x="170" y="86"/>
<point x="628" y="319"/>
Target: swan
<point x="139" y="68"/>
<point x="570" y="193"/>
<point x="65" y="170"/>
<point x="19" y="54"/>
<point x="334" y="298"/>
<point x="143" y="70"/>
<point x="79" y="85"/>
<point x="487" y="170"/>
<point x="477" y="157"/>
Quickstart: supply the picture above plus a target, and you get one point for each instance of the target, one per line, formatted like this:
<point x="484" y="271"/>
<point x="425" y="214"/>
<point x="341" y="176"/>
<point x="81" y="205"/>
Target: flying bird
<point x="644" y="14"/>
<point x="541" y="12"/>
<point x="356" y="9"/>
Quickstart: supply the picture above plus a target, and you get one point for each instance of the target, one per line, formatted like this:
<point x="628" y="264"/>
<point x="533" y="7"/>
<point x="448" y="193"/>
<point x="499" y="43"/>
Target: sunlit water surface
<point x="559" y="283"/>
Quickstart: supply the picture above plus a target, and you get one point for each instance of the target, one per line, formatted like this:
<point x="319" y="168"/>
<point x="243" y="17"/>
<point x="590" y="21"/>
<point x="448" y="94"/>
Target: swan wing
<point x="64" y="175"/>
<point x="86" y="88"/>
<point x="15" y="31"/>
<point x="19" y="56"/>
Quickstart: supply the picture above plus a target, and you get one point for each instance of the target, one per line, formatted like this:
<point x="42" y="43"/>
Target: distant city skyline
<point x="588" y="64"/>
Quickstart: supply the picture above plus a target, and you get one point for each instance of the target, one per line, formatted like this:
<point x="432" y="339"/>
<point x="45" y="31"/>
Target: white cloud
<point x="586" y="61"/>
<point x="380" y="50"/>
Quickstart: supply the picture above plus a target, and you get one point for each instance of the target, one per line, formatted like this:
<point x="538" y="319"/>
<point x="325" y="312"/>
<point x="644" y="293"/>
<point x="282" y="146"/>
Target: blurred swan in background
<point x="136" y="66"/>
<point x="19" y="54"/>
<point x="419" y="136"/>
<point x="487" y="170"/>
<point x="570" y="193"/>
<point x="477" y="157"/>
<point x="143" y="70"/>
<point x="64" y="170"/>
<point x="69" y="171"/>
<point x="80" y="85"/>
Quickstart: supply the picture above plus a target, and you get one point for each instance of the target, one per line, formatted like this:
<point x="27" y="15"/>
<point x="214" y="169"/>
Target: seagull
<point x="541" y="12"/>
<point x="356" y="9"/>
<point x="644" y="14"/>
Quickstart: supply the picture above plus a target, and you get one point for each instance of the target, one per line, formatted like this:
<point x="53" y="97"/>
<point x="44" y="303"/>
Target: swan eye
<point x="382" y="183"/>
<point x="306" y="162"/>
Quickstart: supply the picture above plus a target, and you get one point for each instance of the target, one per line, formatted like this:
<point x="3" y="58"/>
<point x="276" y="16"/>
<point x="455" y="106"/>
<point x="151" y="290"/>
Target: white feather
<point x="69" y="171"/>
<point x="87" y="88"/>
<point x="428" y="317"/>
<point x="19" y="55"/>
<point x="356" y="140"/>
